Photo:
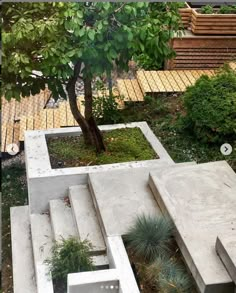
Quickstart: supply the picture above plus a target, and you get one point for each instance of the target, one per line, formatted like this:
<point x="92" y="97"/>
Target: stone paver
<point x="201" y="200"/>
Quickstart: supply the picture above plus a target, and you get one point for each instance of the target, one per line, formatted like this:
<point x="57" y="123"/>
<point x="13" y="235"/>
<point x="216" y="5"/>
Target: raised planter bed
<point x="186" y="13"/>
<point x="213" y="24"/>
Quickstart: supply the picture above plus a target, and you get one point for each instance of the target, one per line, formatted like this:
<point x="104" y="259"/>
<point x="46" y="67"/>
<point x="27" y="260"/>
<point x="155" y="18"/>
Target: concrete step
<point x="42" y="237"/>
<point x="86" y="217"/>
<point x="226" y="249"/>
<point x="101" y="262"/>
<point x="120" y="195"/>
<point x="199" y="198"/>
<point x="63" y="224"/>
<point x="22" y="251"/>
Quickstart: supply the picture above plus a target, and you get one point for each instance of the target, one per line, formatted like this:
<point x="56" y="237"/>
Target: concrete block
<point x="45" y="183"/>
<point x="226" y="249"/>
<point x="22" y="251"/>
<point x="86" y="218"/>
<point x="201" y="202"/>
<point x="63" y="224"/>
<point x="94" y="282"/>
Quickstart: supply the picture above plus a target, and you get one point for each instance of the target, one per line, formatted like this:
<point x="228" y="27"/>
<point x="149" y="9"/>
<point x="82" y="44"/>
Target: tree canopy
<point x="51" y="37"/>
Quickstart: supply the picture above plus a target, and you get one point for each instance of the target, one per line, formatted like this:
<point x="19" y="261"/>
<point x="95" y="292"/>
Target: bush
<point x="211" y="107"/>
<point x="149" y="237"/>
<point x="69" y="256"/>
<point x="169" y="276"/>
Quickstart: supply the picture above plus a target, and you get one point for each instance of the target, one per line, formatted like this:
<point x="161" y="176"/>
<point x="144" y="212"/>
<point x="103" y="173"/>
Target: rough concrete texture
<point x="63" y="224"/>
<point x="120" y="196"/>
<point x="94" y="282"/>
<point x="22" y="251"/>
<point x="226" y="249"/>
<point x="53" y="183"/>
<point x="86" y="218"/>
<point x="201" y="200"/>
<point x="101" y="262"/>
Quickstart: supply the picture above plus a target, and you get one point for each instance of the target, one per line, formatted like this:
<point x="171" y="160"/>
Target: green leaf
<point x="91" y="34"/>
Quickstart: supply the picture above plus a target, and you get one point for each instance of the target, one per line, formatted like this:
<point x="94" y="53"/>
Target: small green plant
<point x="207" y="9"/>
<point x="181" y="4"/>
<point x="225" y="9"/>
<point x="211" y="108"/>
<point x="106" y="106"/>
<point x="149" y="237"/>
<point x="168" y="275"/>
<point x="69" y="256"/>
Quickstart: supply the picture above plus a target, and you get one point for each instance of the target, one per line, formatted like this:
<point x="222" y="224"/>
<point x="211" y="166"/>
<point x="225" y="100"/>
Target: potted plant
<point x="214" y="21"/>
<point x="185" y="12"/>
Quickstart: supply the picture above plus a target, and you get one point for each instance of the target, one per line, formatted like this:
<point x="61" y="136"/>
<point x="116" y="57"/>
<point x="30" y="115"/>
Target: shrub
<point x="69" y="256"/>
<point x="207" y="9"/>
<point x="211" y="107"/>
<point x="168" y="276"/>
<point x="149" y="237"/>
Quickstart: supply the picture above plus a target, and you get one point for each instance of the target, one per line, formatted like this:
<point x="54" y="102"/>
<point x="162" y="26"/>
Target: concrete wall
<point x="45" y="183"/>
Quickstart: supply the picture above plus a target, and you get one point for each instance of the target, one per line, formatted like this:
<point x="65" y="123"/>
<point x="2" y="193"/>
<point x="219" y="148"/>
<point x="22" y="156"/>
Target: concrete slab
<point x="42" y="237"/>
<point x="226" y="249"/>
<point x="22" y="251"/>
<point x="45" y="183"/>
<point x="86" y="218"/>
<point x="63" y="224"/>
<point x="201" y="200"/>
<point x="119" y="196"/>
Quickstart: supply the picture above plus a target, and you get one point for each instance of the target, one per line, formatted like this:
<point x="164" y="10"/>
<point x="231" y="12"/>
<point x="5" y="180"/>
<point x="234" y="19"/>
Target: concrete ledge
<point x="226" y="249"/>
<point x="45" y="183"/>
<point x="44" y="279"/>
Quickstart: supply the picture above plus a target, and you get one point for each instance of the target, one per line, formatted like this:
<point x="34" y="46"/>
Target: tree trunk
<point x="91" y="133"/>
<point x="96" y="133"/>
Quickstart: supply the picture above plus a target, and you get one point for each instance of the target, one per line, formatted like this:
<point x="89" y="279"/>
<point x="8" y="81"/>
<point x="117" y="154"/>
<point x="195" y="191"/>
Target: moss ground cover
<point x="123" y="145"/>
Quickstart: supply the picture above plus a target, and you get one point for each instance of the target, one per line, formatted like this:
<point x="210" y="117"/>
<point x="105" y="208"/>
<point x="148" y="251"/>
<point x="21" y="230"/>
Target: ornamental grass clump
<point x="149" y="237"/>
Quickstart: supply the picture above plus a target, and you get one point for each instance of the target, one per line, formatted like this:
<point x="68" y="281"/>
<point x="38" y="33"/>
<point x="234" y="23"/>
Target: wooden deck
<point x="30" y="113"/>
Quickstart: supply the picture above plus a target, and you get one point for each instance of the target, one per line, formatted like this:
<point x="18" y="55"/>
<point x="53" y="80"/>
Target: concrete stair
<point x="22" y="251"/>
<point x="86" y="217"/>
<point x="63" y="224"/>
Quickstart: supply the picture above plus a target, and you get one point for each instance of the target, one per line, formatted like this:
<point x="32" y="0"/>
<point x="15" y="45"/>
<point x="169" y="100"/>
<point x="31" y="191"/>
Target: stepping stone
<point x="226" y="249"/>
<point x="201" y="201"/>
<point x="63" y="224"/>
<point x="86" y="218"/>
<point x="22" y="251"/>
<point x="121" y="195"/>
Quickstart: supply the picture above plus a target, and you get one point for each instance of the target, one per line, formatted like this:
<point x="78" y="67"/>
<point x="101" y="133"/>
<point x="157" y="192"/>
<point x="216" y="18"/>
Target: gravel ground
<point x="19" y="158"/>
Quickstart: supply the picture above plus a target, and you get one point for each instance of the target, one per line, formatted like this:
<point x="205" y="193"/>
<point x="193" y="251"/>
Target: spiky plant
<point x="69" y="256"/>
<point x="149" y="237"/>
<point x="168" y="275"/>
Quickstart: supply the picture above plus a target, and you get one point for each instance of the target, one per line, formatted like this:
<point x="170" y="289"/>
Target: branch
<point x="118" y="9"/>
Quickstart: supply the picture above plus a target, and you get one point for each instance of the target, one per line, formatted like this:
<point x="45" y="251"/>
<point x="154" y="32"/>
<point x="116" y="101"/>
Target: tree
<point x="67" y="41"/>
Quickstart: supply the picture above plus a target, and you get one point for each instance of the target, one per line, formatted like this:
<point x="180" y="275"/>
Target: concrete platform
<point x="22" y="251"/>
<point x="86" y="218"/>
<point x="226" y="249"/>
<point x="63" y="224"/>
<point x="201" y="200"/>
<point x="119" y="196"/>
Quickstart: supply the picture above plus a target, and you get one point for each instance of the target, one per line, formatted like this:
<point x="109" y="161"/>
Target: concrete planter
<point x="45" y="183"/>
<point x="213" y="24"/>
<point x="186" y="14"/>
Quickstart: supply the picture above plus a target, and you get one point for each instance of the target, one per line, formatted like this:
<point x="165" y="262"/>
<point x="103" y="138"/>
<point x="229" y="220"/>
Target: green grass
<point x="161" y="114"/>
<point x="14" y="193"/>
<point x="122" y="145"/>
